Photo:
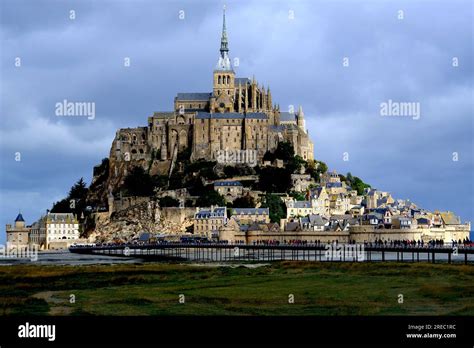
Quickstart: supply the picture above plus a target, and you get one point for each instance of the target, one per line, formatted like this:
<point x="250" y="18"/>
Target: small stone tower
<point x="300" y="119"/>
<point x="18" y="235"/>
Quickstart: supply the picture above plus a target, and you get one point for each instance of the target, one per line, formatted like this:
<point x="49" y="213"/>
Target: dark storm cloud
<point x="301" y="59"/>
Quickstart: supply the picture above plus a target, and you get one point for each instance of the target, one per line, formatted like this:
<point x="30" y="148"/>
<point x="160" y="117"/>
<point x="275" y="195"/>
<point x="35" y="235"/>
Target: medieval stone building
<point x="238" y="114"/>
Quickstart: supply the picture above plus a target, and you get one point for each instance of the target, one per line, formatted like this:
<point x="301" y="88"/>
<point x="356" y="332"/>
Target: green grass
<point x="318" y="289"/>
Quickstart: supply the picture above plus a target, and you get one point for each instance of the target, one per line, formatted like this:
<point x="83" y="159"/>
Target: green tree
<point x="276" y="206"/>
<point x="359" y="185"/>
<point x="210" y="197"/>
<point x="294" y="164"/>
<point x="238" y="170"/>
<point x="62" y="206"/>
<point x="285" y="151"/>
<point x="316" y="168"/>
<point x="168" y="201"/>
<point x="273" y="179"/>
<point x="75" y="202"/>
<point x="298" y="196"/>
<point x="349" y="179"/>
<point x="138" y="183"/>
<point x="269" y="156"/>
<point x="246" y="201"/>
<point x="78" y="190"/>
<point x="159" y="181"/>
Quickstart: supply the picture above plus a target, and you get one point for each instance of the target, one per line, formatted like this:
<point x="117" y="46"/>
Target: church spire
<point x="224" y="43"/>
<point x="224" y="60"/>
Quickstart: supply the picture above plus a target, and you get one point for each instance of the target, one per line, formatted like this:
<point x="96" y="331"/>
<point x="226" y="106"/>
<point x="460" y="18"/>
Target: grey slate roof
<point x="243" y="81"/>
<point x="302" y="204"/>
<point x="256" y="115"/>
<point x="287" y="116"/>
<point x="243" y="227"/>
<point x="333" y="184"/>
<point x="228" y="183"/>
<point x="60" y="217"/>
<point x="304" y="220"/>
<point x="341" y="217"/>
<point x="292" y="226"/>
<point x="317" y="220"/>
<point x="377" y="216"/>
<point x="193" y="96"/>
<point x="163" y="114"/>
<point x="19" y="218"/>
<point x="144" y="237"/>
<point x="206" y="214"/>
<point x="251" y="211"/>
<point x="276" y="128"/>
<point x="423" y="220"/>
<point x="194" y="110"/>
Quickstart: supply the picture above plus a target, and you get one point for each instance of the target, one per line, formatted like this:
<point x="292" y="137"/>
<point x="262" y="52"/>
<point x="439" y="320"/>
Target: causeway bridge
<point x="222" y="252"/>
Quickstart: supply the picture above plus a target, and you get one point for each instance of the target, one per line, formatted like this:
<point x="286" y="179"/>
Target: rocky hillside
<point x="129" y="223"/>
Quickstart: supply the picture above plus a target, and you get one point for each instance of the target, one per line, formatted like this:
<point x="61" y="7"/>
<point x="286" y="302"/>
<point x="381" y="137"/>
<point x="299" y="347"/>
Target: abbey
<point x="238" y="114"/>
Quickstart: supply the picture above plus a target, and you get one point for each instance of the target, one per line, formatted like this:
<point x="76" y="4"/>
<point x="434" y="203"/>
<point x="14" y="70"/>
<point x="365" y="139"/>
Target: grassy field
<point x="318" y="289"/>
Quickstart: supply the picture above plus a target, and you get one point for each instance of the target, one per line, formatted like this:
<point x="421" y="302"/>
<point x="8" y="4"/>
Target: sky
<point x="340" y="60"/>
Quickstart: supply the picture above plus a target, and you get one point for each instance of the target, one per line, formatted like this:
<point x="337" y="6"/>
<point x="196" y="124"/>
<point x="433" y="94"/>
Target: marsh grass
<point x="318" y="288"/>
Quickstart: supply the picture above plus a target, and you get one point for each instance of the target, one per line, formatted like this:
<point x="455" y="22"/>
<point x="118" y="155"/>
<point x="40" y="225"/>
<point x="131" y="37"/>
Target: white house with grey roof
<point x="62" y="230"/>
<point x="229" y="189"/>
<point x="251" y="215"/>
<point x="208" y="221"/>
